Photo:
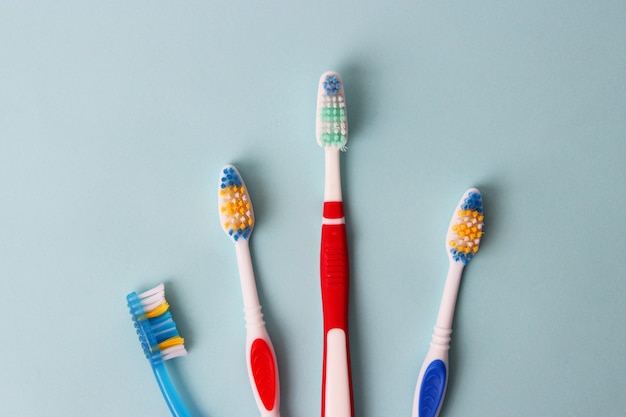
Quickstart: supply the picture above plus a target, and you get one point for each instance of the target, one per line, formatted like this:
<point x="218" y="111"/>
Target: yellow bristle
<point x="161" y="309"/>
<point x="172" y="341"/>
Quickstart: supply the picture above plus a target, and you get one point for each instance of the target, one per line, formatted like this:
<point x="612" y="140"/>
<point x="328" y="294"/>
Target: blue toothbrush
<point x="159" y="339"/>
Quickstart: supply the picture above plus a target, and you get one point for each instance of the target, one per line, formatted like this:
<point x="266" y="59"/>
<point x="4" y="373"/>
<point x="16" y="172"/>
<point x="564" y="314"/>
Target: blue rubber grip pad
<point x="432" y="389"/>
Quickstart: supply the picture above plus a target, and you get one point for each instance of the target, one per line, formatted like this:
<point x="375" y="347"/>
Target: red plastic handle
<point x="335" y="273"/>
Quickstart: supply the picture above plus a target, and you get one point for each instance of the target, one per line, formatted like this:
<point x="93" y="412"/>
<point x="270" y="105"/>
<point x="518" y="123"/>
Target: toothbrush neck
<point x="332" y="183"/>
<point x="448" y="300"/>
<point x="246" y="275"/>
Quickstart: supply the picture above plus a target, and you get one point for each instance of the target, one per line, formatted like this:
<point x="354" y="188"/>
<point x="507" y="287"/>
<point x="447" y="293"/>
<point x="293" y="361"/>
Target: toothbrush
<point x="237" y="218"/>
<point x="159" y="339"/>
<point x="332" y="135"/>
<point x="462" y="242"/>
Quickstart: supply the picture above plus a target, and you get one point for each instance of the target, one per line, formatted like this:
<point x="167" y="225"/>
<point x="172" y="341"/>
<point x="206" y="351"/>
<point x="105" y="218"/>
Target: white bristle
<point x="153" y="298"/>
<point x="173" y="352"/>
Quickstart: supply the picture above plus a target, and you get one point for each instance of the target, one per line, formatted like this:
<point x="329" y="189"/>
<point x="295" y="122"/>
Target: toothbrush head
<point x="466" y="228"/>
<point x="154" y="324"/>
<point x="331" y="129"/>
<point x="235" y="207"/>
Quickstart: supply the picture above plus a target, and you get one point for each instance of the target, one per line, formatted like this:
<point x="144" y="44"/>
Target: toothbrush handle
<point x="262" y="368"/>
<point x="334" y="268"/>
<point x="260" y="356"/>
<point x="433" y="376"/>
<point x="174" y="403"/>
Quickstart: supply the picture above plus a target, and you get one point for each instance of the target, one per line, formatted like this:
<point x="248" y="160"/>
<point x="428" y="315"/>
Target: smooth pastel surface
<point x="116" y="117"/>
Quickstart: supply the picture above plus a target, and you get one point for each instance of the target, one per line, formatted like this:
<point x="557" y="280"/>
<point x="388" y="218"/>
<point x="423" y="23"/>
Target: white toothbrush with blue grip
<point x="462" y="242"/>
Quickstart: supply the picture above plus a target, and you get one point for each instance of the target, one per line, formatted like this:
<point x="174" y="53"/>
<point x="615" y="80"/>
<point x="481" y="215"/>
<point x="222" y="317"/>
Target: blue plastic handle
<point x="174" y="403"/>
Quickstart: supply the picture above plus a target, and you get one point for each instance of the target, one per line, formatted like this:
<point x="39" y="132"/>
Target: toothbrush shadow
<point x="356" y="340"/>
<point x="358" y="103"/>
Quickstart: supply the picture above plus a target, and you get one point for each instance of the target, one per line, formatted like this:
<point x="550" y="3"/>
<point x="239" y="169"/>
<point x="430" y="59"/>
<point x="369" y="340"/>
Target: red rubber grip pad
<point x="334" y="276"/>
<point x="264" y="372"/>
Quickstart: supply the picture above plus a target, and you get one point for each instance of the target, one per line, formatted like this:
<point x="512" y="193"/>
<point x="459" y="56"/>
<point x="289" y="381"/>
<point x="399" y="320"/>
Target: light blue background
<point x="116" y="117"/>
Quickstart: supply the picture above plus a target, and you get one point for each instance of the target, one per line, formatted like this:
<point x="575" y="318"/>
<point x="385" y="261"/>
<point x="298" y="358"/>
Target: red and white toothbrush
<point x="332" y="136"/>
<point x="237" y="219"/>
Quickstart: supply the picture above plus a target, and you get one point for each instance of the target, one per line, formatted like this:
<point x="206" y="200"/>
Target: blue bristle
<point x="230" y="178"/>
<point x="331" y="85"/>
<point x="461" y="256"/>
<point x="159" y="320"/>
<point x="164" y="329"/>
<point x="163" y="322"/>
<point x="473" y="202"/>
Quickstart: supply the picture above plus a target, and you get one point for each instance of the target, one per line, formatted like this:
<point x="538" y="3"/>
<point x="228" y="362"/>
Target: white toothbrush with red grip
<point x="237" y="218"/>
<point x="332" y="136"/>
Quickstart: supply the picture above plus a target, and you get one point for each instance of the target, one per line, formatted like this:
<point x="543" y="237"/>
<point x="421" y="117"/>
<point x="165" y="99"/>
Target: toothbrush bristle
<point x="235" y="208"/>
<point x="332" y="119"/>
<point x="155" y="326"/>
<point x="466" y="229"/>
